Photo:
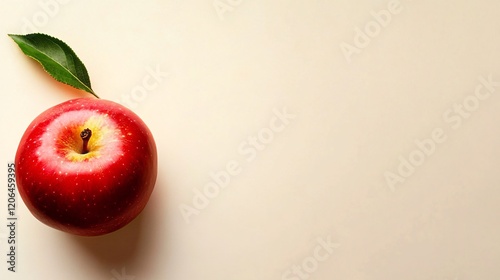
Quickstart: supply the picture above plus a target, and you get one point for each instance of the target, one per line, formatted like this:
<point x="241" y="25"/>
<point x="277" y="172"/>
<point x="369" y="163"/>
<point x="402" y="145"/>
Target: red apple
<point x="86" y="166"/>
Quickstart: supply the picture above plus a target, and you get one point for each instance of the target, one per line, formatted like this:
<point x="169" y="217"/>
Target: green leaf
<point x="57" y="59"/>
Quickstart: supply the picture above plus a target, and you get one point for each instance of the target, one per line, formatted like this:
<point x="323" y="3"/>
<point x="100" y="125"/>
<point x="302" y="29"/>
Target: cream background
<point x="323" y="175"/>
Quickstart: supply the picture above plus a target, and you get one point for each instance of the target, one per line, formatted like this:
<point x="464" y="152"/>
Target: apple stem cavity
<point x="85" y="135"/>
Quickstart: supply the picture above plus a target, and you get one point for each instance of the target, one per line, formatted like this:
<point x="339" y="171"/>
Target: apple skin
<point x="93" y="193"/>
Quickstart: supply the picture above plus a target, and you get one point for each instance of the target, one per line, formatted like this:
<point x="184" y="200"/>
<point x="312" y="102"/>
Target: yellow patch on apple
<point x="101" y="134"/>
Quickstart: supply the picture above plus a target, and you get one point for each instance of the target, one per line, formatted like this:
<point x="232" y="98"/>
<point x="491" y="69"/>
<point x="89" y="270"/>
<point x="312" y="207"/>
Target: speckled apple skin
<point x="96" y="195"/>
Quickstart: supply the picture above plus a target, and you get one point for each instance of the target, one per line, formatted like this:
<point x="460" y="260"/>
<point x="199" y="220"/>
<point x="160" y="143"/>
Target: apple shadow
<point x="128" y="246"/>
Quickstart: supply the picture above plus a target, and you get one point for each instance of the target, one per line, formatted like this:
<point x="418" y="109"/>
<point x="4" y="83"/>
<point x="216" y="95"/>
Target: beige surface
<point x="343" y="95"/>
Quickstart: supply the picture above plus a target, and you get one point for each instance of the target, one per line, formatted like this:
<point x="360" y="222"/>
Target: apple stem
<point x="85" y="135"/>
